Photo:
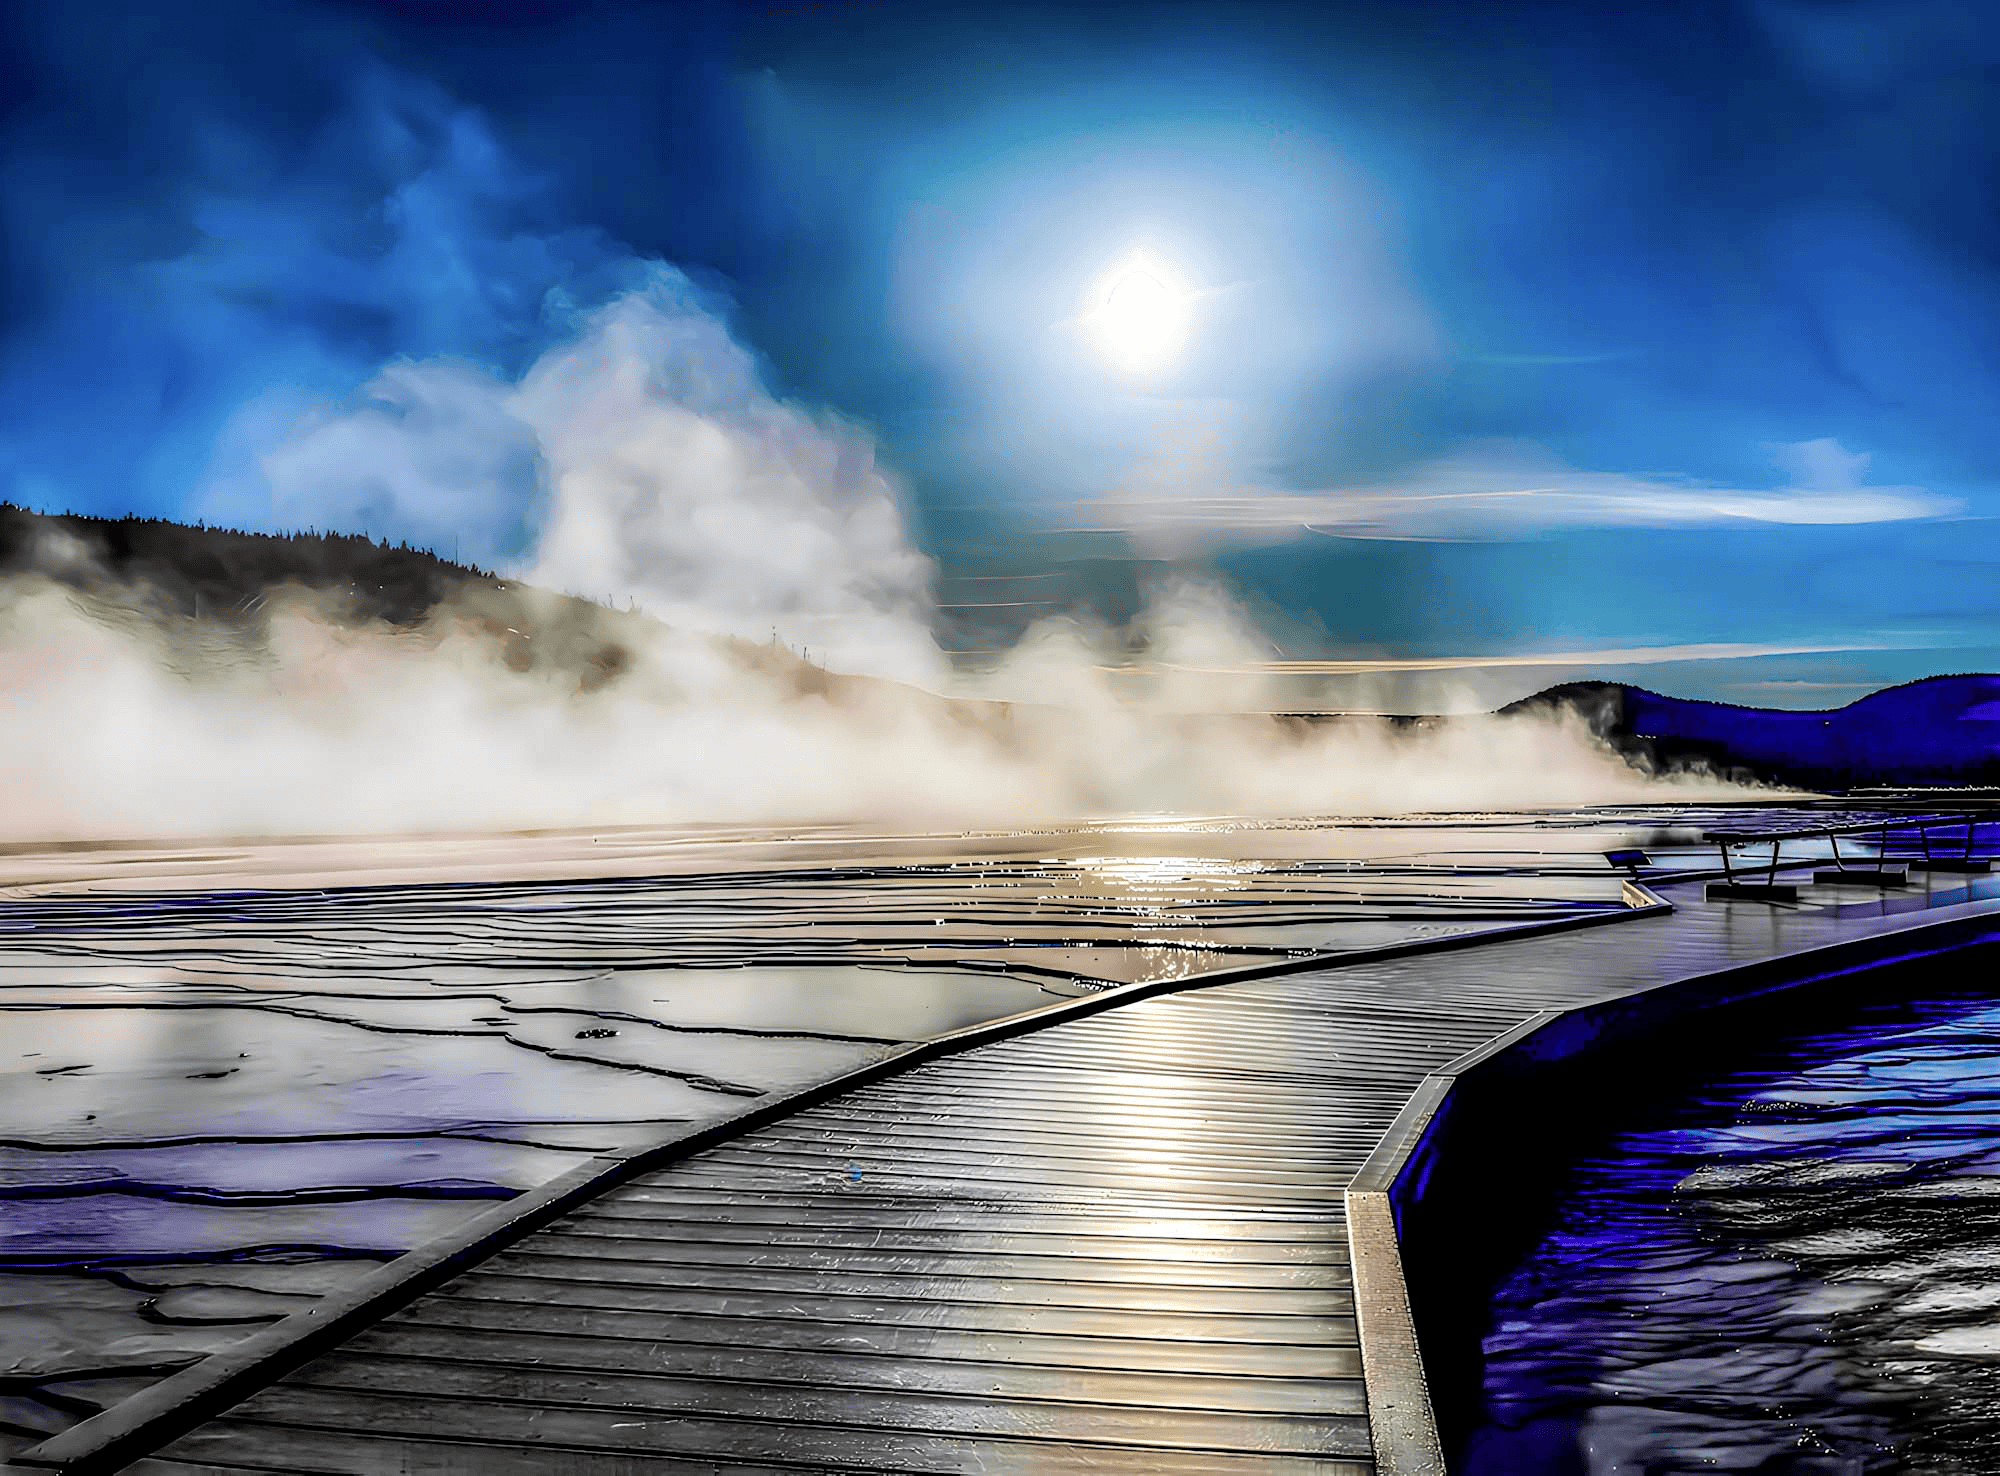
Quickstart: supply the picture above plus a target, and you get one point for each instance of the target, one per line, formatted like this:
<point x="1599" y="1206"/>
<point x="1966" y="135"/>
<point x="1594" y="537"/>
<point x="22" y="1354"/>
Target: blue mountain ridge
<point x="1940" y="730"/>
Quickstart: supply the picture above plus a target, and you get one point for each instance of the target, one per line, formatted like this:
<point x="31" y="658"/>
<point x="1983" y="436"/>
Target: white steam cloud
<point x="667" y="476"/>
<point x="335" y="730"/>
<point x="670" y="476"/>
<point x="679" y="482"/>
<point x="638" y="459"/>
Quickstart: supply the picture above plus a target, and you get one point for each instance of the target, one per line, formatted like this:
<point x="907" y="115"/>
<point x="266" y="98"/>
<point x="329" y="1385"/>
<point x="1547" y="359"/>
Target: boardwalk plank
<point x="362" y="1451"/>
<point x="1001" y="1411"/>
<point x="1030" y="1237"/>
<point x="394" y="1343"/>
<point x="949" y="1213"/>
<point x="1308" y="1360"/>
<point x="933" y="1259"/>
<point x="548" y="1285"/>
<point x="633" y="1267"/>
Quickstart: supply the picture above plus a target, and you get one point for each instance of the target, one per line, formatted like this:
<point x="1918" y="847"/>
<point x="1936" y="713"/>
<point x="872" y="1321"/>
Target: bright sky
<point x="1657" y="339"/>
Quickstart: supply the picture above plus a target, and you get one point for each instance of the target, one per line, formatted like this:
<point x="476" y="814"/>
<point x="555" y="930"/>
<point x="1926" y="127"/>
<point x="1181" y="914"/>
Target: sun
<point x="1140" y="322"/>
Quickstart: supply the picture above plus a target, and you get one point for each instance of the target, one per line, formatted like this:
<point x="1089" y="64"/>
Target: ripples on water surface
<point x="1795" y="1269"/>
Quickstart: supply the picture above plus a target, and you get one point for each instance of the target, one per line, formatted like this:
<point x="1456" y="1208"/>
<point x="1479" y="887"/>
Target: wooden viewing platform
<point x="1145" y="1231"/>
<point x="1915" y="829"/>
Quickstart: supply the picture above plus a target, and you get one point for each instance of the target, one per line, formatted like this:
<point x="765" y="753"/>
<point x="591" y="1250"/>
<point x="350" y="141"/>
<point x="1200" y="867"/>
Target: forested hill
<point x="221" y="573"/>
<point x="224" y="578"/>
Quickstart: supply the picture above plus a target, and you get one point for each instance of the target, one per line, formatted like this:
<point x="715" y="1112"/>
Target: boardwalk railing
<point x="1393" y="1200"/>
<point x="1882" y="869"/>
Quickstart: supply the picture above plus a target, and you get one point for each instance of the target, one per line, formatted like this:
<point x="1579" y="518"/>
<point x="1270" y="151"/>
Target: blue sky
<point x="1556" y="328"/>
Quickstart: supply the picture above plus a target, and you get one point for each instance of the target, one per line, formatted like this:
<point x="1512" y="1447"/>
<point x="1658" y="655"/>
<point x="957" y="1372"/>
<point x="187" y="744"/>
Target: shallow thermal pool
<point x="234" y="1078"/>
<point x="1794" y="1269"/>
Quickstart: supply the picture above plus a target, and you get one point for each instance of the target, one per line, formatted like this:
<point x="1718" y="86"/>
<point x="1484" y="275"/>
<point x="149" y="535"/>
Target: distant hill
<point x="221" y="573"/>
<point x="1942" y="730"/>
<point x="225" y="577"/>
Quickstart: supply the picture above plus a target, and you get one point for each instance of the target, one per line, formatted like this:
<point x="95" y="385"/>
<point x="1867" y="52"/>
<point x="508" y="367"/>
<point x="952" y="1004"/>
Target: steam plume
<point x="636" y="456"/>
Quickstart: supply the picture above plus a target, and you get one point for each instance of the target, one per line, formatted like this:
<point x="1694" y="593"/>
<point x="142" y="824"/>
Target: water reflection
<point x="1797" y="1269"/>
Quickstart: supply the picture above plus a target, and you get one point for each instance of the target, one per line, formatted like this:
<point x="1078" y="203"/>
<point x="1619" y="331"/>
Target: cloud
<point x="539" y="400"/>
<point x="1248" y="679"/>
<point x="1603" y="656"/>
<point x="640" y="459"/>
<point x="1496" y="490"/>
<point x="144" y="726"/>
<point x="259" y="275"/>
<point x="417" y="358"/>
<point x="675" y="478"/>
<point x="426" y="451"/>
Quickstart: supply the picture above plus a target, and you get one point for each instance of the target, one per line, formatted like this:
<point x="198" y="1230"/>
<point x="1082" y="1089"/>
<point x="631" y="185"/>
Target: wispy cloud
<point x="1501" y="490"/>
<point x="1603" y="656"/>
<point x="1799" y="686"/>
<point x="1544" y="361"/>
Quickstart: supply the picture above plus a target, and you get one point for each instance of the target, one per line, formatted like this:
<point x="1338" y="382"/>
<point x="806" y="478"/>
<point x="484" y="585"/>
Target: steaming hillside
<point x="204" y="585"/>
<point x="230" y="581"/>
<point x="1942" y="730"/>
<point x="224" y="574"/>
<point x="197" y="682"/>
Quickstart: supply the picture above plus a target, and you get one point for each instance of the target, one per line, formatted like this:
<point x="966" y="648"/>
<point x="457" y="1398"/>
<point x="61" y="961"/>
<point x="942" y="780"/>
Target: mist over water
<point x="135" y="729"/>
<point x="616" y="441"/>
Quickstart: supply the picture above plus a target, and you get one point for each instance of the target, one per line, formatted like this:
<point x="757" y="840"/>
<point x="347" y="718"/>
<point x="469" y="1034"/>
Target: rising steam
<point x="331" y="729"/>
<point x="639" y="459"/>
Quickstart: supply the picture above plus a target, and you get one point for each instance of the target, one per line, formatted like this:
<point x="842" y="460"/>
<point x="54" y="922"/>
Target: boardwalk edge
<point x="1406" y="1436"/>
<point x="1401" y="1424"/>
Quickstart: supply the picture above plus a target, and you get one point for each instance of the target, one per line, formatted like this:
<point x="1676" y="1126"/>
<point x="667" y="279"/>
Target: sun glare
<point x="1139" y="323"/>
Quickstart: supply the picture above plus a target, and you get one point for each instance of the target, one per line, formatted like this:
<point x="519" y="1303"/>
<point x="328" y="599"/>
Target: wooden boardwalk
<point x="1112" y="1245"/>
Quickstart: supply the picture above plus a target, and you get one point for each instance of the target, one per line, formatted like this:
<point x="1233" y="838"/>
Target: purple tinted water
<point x="1793" y="1269"/>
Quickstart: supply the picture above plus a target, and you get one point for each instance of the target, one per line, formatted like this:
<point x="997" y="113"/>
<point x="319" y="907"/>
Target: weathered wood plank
<point x="352" y="1449"/>
<point x="1304" y="1359"/>
<point x="933" y="1259"/>
<point x="630" y="1265"/>
<point x="680" y="1416"/>
<point x="1030" y="1237"/>
<point x="948" y="1214"/>
<point x="1267" y="1392"/>
<point x="971" y="1316"/>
